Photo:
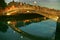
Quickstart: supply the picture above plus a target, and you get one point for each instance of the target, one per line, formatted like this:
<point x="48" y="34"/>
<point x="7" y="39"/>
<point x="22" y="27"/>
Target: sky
<point x="33" y="0"/>
<point x="54" y="4"/>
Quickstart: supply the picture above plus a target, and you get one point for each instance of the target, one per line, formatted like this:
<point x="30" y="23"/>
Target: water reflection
<point x="21" y="23"/>
<point x="18" y="20"/>
<point x="31" y="28"/>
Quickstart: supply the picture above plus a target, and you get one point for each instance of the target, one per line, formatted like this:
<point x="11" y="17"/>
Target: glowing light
<point x="28" y="11"/>
<point x="55" y="19"/>
<point x="9" y="22"/>
<point x="8" y="14"/>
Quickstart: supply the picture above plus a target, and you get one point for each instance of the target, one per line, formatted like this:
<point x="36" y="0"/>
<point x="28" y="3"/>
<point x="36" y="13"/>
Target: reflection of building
<point x="36" y="19"/>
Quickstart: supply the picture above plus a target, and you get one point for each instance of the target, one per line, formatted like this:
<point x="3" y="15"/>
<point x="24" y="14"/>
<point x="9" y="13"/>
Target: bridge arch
<point x="50" y="13"/>
<point x="24" y="10"/>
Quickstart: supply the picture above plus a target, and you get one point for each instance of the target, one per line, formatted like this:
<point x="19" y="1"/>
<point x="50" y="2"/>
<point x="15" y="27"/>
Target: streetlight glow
<point x="28" y="11"/>
<point x="9" y="22"/>
<point x="8" y="14"/>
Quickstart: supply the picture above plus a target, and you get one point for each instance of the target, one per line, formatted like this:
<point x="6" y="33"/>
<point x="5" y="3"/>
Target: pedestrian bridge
<point x="26" y="8"/>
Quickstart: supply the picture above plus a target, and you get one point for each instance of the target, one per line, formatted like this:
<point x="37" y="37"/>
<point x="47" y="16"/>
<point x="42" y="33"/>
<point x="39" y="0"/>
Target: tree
<point x="2" y="4"/>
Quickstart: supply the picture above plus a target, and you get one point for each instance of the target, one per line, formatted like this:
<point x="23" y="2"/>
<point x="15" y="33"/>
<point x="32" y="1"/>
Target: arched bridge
<point x="26" y="8"/>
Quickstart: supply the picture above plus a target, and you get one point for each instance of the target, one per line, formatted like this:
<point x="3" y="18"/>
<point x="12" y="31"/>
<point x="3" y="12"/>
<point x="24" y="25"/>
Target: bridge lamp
<point x="8" y="14"/>
<point x="56" y="18"/>
<point x="28" y="11"/>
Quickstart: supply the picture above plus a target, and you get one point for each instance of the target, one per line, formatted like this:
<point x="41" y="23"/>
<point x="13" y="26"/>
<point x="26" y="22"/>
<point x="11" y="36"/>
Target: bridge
<point x="22" y="8"/>
<point x="27" y="8"/>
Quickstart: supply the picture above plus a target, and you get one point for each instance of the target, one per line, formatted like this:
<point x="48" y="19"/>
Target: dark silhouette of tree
<point x="57" y="36"/>
<point x="3" y="27"/>
<point x="2" y="4"/>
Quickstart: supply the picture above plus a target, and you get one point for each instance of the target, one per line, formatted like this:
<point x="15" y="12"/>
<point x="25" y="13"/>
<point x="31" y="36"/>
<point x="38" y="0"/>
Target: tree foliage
<point x="2" y="4"/>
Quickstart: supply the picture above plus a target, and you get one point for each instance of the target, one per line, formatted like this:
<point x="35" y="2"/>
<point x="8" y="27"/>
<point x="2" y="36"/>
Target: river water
<point x="33" y="28"/>
<point x="36" y="28"/>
